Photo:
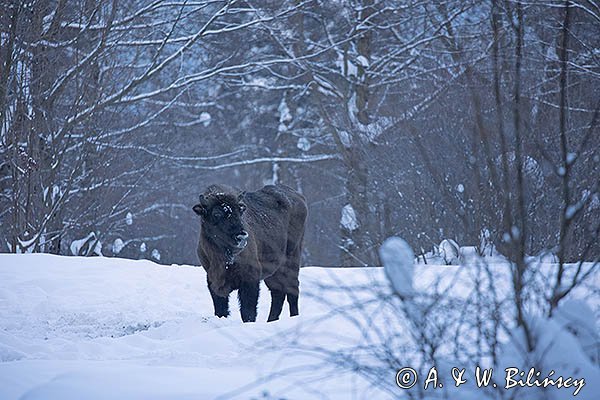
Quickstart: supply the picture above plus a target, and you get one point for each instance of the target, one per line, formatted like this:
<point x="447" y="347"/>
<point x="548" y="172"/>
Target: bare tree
<point x="72" y="72"/>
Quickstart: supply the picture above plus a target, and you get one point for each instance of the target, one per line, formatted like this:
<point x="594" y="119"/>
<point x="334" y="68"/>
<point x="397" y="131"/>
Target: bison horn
<point x="198" y="209"/>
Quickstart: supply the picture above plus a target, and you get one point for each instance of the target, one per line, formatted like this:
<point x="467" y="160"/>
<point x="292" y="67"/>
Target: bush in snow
<point x="486" y="243"/>
<point x="88" y="246"/>
<point x="450" y="252"/>
<point x="576" y="317"/>
<point x="557" y="352"/>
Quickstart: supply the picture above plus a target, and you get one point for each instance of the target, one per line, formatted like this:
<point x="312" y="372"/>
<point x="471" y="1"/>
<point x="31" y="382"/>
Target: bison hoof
<point x="248" y="318"/>
<point x="222" y="315"/>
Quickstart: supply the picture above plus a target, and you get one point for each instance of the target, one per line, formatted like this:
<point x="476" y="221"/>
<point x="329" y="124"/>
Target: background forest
<point x="467" y="120"/>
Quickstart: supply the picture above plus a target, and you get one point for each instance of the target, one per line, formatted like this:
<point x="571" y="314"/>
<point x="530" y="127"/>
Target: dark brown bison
<point x="249" y="237"/>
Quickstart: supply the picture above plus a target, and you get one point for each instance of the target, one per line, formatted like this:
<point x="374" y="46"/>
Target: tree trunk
<point x="357" y="243"/>
<point x="355" y="233"/>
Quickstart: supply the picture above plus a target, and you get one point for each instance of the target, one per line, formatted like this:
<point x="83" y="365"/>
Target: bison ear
<point x="199" y="209"/>
<point x="241" y="195"/>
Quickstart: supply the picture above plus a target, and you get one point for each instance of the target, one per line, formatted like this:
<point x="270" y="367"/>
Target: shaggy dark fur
<point x="249" y="237"/>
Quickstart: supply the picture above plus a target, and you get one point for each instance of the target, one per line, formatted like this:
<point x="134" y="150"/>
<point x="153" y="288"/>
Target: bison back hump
<point x="276" y="212"/>
<point x="286" y="197"/>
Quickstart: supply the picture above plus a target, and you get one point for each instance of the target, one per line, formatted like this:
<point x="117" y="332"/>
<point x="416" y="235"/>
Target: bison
<point x="246" y="237"/>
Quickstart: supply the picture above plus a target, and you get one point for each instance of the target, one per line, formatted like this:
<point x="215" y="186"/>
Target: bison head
<point x="221" y="210"/>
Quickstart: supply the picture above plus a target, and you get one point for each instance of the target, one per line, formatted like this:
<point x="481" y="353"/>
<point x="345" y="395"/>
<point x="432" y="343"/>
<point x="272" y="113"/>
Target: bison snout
<point x="242" y="239"/>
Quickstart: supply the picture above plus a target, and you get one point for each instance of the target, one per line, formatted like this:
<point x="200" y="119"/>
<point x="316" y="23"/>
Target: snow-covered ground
<point x="107" y="328"/>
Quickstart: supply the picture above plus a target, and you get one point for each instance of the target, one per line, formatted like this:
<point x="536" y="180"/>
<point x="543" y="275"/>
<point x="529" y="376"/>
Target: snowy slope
<point x="100" y="328"/>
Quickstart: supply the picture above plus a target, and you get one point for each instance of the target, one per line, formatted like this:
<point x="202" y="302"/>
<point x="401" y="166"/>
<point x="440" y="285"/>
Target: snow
<point x="551" y="53"/>
<point x="514" y="231"/>
<point x="77" y="246"/>
<point x="285" y="115"/>
<point x="397" y="258"/>
<point x="345" y="139"/>
<point x="118" y="245"/>
<point x="450" y="251"/>
<point x="578" y="318"/>
<point x="573" y="209"/>
<point x="532" y="169"/>
<point x="100" y="328"/>
<point x="557" y="350"/>
<point x="155" y="254"/>
<point x="594" y="202"/>
<point x="26" y="245"/>
<point x="205" y="118"/>
<point x="363" y="61"/>
<point x="56" y="193"/>
<point x="47" y="20"/>
<point x="346" y="66"/>
<point x="348" y="219"/>
<point x="129" y="218"/>
<point x="303" y="144"/>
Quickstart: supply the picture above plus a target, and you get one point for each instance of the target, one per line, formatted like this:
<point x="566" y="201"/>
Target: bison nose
<point x="242" y="239"/>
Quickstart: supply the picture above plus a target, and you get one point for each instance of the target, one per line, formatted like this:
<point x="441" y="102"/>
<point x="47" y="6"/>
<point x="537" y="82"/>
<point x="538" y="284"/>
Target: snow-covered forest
<point x="429" y="120"/>
<point x="468" y="128"/>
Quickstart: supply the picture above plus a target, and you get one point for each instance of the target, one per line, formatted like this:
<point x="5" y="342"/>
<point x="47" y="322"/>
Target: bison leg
<point x="293" y="253"/>
<point x="293" y="302"/>
<point x="292" y="269"/>
<point x="248" y="297"/>
<point x="277" y="298"/>
<point x="221" y="303"/>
